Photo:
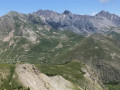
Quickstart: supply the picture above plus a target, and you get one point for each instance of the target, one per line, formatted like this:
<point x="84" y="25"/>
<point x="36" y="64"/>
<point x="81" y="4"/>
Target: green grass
<point x="86" y="49"/>
<point x="46" y="48"/>
<point x="10" y="82"/>
<point x="70" y="71"/>
<point x="90" y="49"/>
<point x="13" y="51"/>
<point x="73" y="47"/>
<point x="113" y="87"/>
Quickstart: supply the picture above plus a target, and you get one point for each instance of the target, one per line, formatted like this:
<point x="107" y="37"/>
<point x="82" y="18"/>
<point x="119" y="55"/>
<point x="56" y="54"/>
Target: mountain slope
<point x="88" y="58"/>
<point x="100" y="53"/>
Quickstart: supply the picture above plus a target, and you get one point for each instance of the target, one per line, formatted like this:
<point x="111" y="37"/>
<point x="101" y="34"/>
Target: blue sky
<point x="75" y="6"/>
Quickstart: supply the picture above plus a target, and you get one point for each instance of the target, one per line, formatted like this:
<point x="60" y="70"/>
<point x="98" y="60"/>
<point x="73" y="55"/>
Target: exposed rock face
<point x="67" y="21"/>
<point x="32" y="78"/>
<point x="82" y="24"/>
<point x="114" y="18"/>
<point x="79" y="23"/>
<point x="67" y="12"/>
<point x="15" y="24"/>
<point x="6" y="25"/>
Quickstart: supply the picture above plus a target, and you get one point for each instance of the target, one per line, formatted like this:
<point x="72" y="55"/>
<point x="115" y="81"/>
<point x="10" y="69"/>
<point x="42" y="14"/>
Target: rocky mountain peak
<point x="104" y="13"/>
<point x="45" y="13"/>
<point x="12" y="13"/>
<point x="67" y="12"/>
<point x="112" y="17"/>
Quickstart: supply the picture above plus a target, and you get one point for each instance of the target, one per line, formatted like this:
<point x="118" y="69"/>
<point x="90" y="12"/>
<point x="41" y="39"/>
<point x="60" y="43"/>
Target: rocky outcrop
<point x="31" y="77"/>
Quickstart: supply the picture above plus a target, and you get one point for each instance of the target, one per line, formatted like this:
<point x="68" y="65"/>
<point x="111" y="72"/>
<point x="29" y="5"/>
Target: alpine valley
<point x="46" y="50"/>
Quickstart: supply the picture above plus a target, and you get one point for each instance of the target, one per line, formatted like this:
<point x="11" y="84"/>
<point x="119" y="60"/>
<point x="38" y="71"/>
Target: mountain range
<point x="99" y="23"/>
<point x="83" y="49"/>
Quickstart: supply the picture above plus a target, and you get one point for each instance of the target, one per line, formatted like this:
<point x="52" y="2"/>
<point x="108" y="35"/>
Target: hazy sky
<point x="75" y="6"/>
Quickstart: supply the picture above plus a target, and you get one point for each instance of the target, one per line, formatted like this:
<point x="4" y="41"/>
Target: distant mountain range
<point x="100" y="23"/>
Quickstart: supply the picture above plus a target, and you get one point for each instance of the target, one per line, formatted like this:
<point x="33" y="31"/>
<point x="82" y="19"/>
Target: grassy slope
<point x="70" y="71"/>
<point x="91" y="49"/>
<point x="113" y="87"/>
<point x="42" y="52"/>
<point x="9" y="82"/>
<point x="47" y="48"/>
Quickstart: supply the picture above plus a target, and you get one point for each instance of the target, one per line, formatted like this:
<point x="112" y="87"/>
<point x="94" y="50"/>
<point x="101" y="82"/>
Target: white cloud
<point x="94" y="13"/>
<point x="104" y="1"/>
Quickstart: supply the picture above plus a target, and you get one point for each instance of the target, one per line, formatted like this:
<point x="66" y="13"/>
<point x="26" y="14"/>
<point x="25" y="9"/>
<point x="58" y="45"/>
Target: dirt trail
<point x="30" y="77"/>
